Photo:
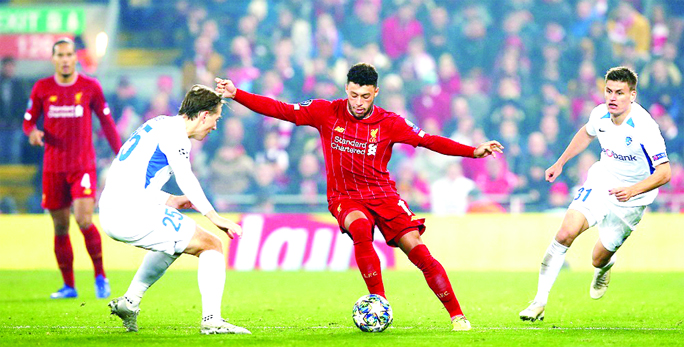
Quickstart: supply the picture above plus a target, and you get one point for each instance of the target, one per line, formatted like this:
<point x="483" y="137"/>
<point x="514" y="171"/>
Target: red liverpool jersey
<point x="356" y="151"/>
<point x="68" y="122"/>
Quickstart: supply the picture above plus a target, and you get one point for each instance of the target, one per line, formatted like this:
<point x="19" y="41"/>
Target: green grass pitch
<point x="314" y="309"/>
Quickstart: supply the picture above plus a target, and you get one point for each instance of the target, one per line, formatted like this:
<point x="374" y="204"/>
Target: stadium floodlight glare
<point x="101" y="41"/>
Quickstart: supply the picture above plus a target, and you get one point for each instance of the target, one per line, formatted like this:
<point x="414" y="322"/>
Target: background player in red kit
<point x="66" y="100"/>
<point x="357" y="138"/>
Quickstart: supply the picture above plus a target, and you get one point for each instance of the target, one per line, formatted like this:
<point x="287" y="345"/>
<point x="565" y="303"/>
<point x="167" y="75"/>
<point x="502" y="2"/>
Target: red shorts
<point x="61" y="188"/>
<point x="392" y="216"/>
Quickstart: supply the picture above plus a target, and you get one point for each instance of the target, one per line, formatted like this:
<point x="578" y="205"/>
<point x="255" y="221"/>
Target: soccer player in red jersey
<point x="357" y="138"/>
<point x="66" y="101"/>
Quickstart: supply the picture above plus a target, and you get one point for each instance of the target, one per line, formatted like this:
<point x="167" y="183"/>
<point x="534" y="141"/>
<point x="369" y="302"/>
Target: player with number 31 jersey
<point x="629" y="152"/>
<point x="618" y="187"/>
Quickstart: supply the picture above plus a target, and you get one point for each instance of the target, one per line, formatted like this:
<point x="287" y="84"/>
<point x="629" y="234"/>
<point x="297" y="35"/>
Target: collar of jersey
<point x="66" y="84"/>
<point x="372" y="118"/>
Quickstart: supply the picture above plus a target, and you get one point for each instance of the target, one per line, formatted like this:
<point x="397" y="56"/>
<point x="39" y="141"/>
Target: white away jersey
<point x="629" y="151"/>
<point x="156" y="150"/>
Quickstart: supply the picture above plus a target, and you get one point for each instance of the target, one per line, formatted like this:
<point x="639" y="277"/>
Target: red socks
<point x="93" y="244"/>
<point x="366" y="258"/>
<point x="65" y="258"/>
<point x="369" y="265"/>
<point x="436" y="278"/>
<point x="65" y="254"/>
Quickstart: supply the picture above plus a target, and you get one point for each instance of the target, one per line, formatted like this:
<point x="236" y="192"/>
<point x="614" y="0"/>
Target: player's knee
<point x="213" y="243"/>
<point x="596" y="262"/>
<point x="84" y="223"/>
<point x="61" y="228"/>
<point x="600" y="261"/>
<point x="360" y="230"/>
<point x="352" y="217"/>
<point x="409" y="241"/>
<point x="566" y="236"/>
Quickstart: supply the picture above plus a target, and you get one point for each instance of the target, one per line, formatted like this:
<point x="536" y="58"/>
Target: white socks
<point x="601" y="270"/>
<point x="154" y="265"/>
<point x="548" y="272"/>
<point x="211" y="277"/>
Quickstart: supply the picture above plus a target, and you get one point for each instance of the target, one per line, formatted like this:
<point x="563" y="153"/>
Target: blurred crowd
<point x="524" y="72"/>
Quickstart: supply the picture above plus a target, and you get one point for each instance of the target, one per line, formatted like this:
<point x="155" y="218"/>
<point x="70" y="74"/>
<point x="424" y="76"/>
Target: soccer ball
<point x="372" y="313"/>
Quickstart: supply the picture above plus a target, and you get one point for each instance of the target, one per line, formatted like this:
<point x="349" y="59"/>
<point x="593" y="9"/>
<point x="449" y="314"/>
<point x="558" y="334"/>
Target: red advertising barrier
<point x="29" y="46"/>
<point x="297" y="242"/>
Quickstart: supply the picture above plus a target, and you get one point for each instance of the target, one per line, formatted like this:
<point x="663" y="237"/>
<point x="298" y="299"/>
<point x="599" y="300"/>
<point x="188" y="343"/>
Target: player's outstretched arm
<point x="442" y="145"/>
<point x="258" y="103"/>
<point x="488" y="148"/>
<point x="579" y="143"/>
<point x="659" y="177"/>
<point x="225" y="224"/>
<point x="447" y="146"/>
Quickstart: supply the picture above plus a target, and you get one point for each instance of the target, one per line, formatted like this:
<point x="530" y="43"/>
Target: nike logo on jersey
<point x="601" y="130"/>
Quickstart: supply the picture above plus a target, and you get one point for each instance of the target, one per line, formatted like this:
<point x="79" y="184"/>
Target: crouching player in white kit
<point x="134" y="209"/>
<point x="618" y="188"/>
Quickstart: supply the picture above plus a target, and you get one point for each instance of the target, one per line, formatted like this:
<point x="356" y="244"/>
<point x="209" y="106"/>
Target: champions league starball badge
<point x="628" y="140"/>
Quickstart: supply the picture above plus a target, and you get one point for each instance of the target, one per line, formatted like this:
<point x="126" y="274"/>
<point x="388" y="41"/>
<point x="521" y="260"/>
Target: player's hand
<point x="232" y="229"/>
<point x="180" y="202"/>
<point x="225" y="224"/>
<point x="488" y="148"/>
<point x="553" y="172"/>
<point x="623" y="194"/>
<point x="225" y="87"/>
<point x="36" y="137"/>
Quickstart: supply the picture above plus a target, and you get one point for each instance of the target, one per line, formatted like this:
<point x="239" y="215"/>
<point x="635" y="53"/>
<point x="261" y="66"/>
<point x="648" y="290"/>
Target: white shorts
<point x="155" y="227"/>
<point x="615" y="223"/>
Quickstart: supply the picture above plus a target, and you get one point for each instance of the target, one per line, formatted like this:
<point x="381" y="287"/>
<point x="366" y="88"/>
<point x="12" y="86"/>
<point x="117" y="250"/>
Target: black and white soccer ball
<point x="372" y="313"/>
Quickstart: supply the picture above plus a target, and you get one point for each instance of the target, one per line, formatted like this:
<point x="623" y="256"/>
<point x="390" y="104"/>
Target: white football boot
<point x="599" y="285"/>
<point x="220" y="326"/>
<point x="533" y="312"/>
<point x="128" y="314"/>
<point x="460" y="323"/>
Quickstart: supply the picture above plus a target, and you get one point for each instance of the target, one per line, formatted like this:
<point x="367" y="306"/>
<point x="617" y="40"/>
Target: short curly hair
<point x="363" y="74"/>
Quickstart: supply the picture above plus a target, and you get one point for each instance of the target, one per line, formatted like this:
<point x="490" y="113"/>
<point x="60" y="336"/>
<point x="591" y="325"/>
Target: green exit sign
<point x="29" y="20"/>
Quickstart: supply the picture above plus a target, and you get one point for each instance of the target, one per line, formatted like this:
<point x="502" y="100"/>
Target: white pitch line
<point x="350" y="327"/>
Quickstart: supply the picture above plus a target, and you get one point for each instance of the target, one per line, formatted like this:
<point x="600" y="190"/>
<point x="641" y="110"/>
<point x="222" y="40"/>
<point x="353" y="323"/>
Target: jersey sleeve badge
<point x="303" y="104"/>
<point x="415" y="128"/>
<point x="659" y="156"/>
